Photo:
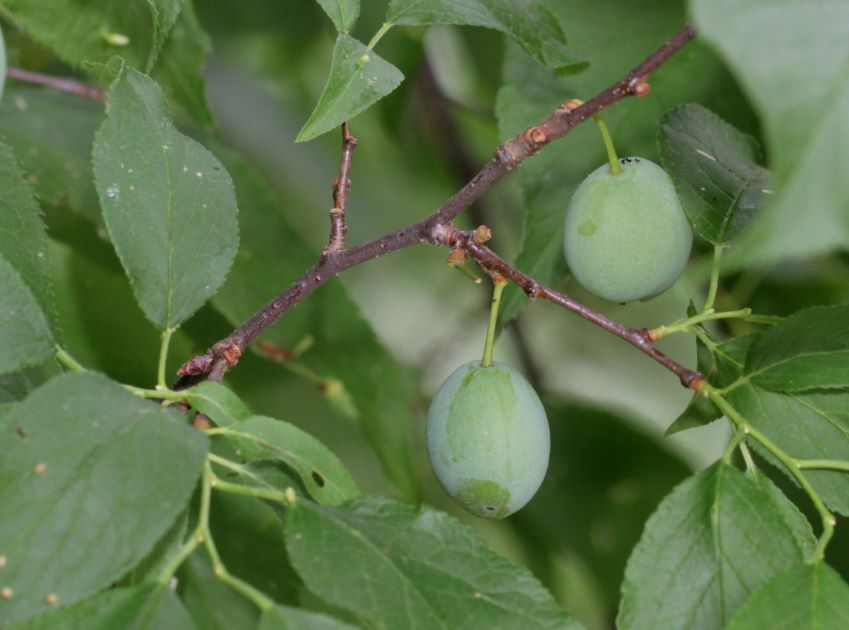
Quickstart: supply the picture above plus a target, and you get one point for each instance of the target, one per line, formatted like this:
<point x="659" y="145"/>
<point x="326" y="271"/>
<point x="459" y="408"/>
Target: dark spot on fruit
<point x="21" y="432"/>
<point x="318" y="479"/>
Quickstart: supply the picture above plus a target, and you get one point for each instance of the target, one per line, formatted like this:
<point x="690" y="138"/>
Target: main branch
<point x="435" y="229"/>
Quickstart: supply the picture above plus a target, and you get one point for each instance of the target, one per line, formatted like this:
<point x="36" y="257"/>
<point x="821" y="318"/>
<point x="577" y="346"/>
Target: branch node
<point x="536" y="136"/>
<point x="642" y="87"/>
<point x="198" y="365"/>
<point x="481" y="235"/>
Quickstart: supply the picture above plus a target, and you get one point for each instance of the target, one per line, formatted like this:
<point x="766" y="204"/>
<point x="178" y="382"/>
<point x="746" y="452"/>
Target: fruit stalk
<point x="499" y="282"/>
<point x="615" y="169"/>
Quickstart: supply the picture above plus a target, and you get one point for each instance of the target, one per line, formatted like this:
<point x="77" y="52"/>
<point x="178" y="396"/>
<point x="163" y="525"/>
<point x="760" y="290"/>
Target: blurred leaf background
<point x="377" y="349"/>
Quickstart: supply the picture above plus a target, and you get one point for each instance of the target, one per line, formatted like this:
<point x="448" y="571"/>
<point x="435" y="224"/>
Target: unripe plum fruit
<point x="488" y="439"/>
<point x="627" y="236"/>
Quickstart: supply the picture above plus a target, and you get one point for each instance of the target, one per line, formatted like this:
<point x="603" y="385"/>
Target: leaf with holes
<point x="168" y="204"/>
<point x="324" y="476"/>
<point x="358" y="79"/>
<point x="96" y="476"/>
<point x="714" y="540"/>
<point x="715" y="172"/>
<point x="421" y="568"/>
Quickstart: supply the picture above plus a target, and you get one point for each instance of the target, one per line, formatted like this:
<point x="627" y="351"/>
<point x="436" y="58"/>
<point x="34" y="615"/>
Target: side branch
<point x="341" y="188"/>
<point x="508" y="156"/>
<point x="69" y="86"/>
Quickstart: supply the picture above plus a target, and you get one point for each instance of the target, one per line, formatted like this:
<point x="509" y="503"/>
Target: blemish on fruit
<point x="587" y="228"/>
<point x="484" y="497"/>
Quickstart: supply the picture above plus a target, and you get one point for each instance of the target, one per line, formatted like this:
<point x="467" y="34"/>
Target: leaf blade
<point x="358" y="79"/>
<point x="343" y="13"/>
<point x="423" y="569"/>
<point x="81" y="457"/>
<point x="706" y="530"/>
<point x="325" y="477"/>
<point x="713" y="167"/>
<point x="25" y="336"/>
<point x="172" y="219"/>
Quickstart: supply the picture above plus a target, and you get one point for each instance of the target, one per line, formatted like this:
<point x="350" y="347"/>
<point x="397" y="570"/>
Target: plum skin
<point x="488" y="439"/>
<point x="626" y="236"/>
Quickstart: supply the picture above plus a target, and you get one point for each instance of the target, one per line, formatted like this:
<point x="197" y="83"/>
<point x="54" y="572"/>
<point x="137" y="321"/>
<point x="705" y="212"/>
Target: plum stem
<point x="498" y="288"/>
<point x="615" y="169"/>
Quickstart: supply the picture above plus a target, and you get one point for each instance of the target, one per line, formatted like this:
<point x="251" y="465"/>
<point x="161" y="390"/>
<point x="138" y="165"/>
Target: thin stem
<point x="179" y="558"/>
<point x="687" y="324"/>
<point x="713" y="288"/>
<point x="163" y="358"/>
<point x="612" y="158"/>
<point x="68" y="361"/>
<point x="341" y="187"/>
<point x="259" y="599"/>
<point x="497" y="290"/>
<point x="155" y="394"/>
<point x="823" y="464"/>
<point x="251" y="491"/>
<point x="733" y="443"/>
<point x="384" y="28"/>
<point x="792" y="466"/>
<point x="747" y="457"/>
<point x="68" y="86"/>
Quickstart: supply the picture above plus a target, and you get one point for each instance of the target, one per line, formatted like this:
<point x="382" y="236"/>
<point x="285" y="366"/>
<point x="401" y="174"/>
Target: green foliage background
<point x="116" y="224"/>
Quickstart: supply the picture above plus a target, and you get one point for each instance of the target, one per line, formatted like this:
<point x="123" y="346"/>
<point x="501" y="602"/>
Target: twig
<point x="493" y="263"/>
<point x="341" y="188"/>
<point x="508" y="156"/>
<point x="69" y="86"/>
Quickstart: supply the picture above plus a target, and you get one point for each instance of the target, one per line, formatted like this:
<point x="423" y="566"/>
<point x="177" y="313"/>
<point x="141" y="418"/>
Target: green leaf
<point x="81" y="31"/>
<point x="358" y="79"/>
<point x="811" y="425"/>
<point x="143" y="607"/>
<point x="23" y="237"/>
<point x="530" y="23"/>
<point x="597" y="513"/>
<point x="52" y="134"/>
<point x="808" y="350"/>
<point x="418" y="568"/>
<point x="91" y="477"/>
<point x="181" y="64"/>
<point x="324" y="476"/>
<point x="165" y="14"/>
<point x="25" y="337"/>
<point x="805" y="149"/>
<point x="715" y="171"/>
<point x="343" y="13"/>
<point x="712" y="542"/>
<point x="218" y="403"/>
<point x="808" y="597"/>
<point x="382" y="391"/>
<point x="288" y="618"/>
<point x="168" y="203"/>
<point x="529" y="95"/>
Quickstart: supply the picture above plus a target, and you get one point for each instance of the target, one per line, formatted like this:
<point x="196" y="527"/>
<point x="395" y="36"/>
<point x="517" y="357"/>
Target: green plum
<point x="627" y="236"/>
<point x="488" y="439"/>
